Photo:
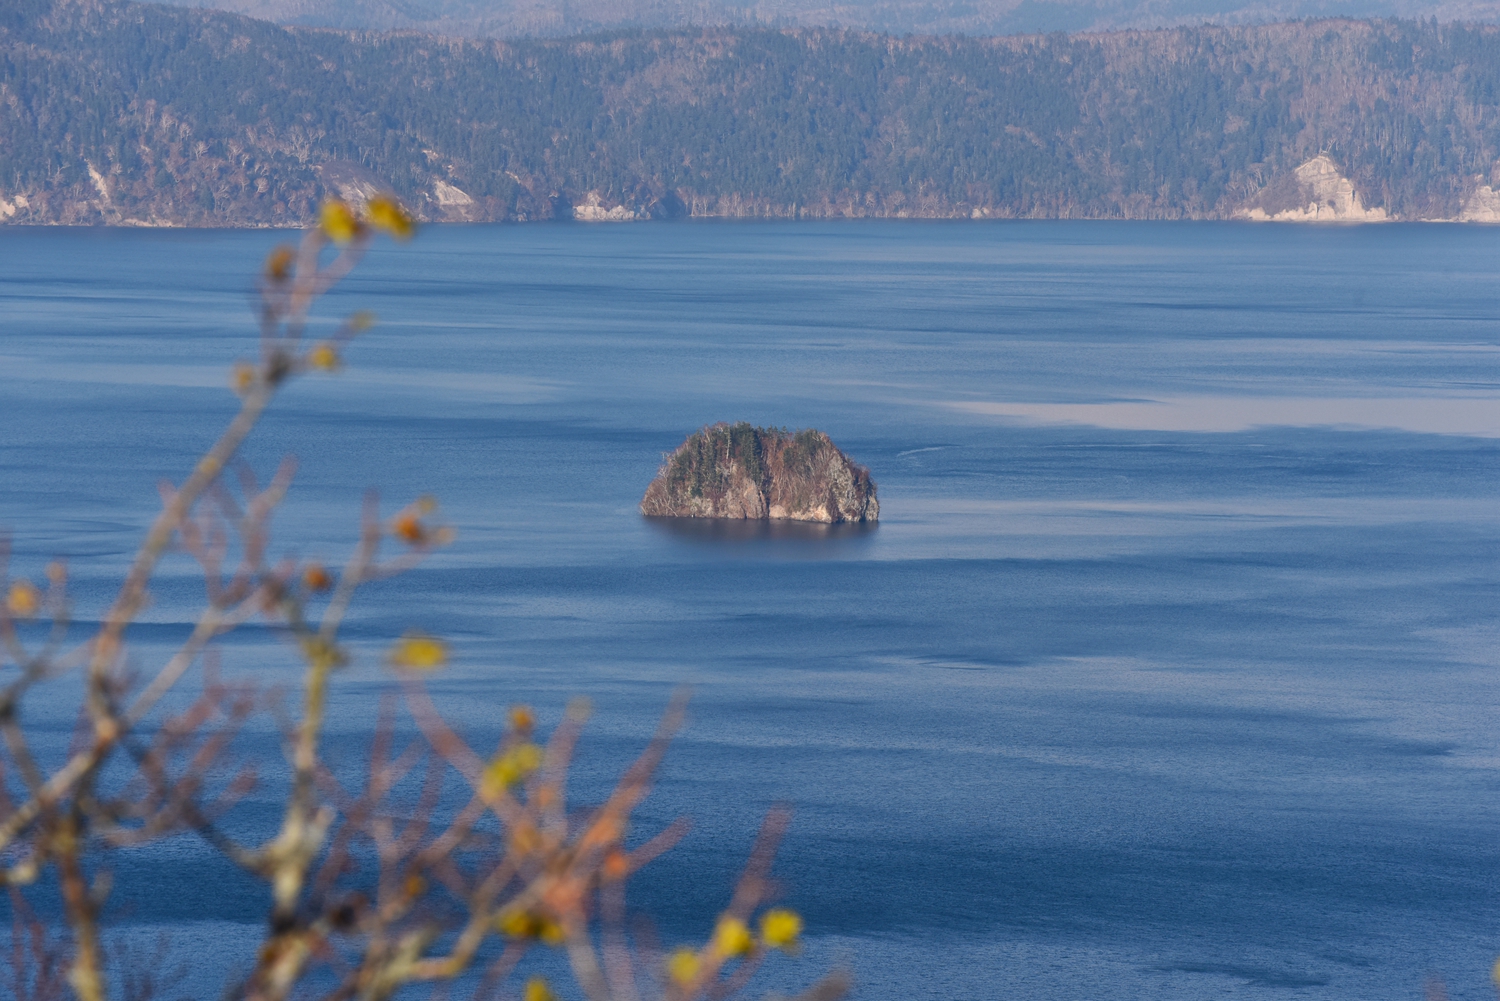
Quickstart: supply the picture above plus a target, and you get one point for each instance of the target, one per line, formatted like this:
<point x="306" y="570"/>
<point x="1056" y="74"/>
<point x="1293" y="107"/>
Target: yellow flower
<point x="390" y="215"/>
<point x="732" y="938"/>
<point x="683" y="966"/>
<point x="537" y="990"/>
<point x="517" y="924"/>
<point x="524" y="924"/>
<point x="324" y="356"/>
<point x="279" y="263"/>
<point x="513" y="766"/>
<point x="780" y="928"/>
<point x="23" y="600"/>
<point x="419" y="652"/>
<point x="338" y="222"/>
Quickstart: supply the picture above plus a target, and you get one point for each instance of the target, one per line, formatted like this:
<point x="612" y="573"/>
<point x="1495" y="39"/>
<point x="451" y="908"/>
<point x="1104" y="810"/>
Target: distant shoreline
<point x="747" y="220"/>
<point x="128" y="114"/>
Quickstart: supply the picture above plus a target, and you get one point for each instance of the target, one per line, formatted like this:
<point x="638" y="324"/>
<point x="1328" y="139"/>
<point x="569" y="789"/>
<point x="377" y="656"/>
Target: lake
<point x="1170" y="671"/>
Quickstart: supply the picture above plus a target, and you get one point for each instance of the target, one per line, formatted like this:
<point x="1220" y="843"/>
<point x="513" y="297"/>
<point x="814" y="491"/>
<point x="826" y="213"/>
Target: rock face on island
<point x="741" y="471"/>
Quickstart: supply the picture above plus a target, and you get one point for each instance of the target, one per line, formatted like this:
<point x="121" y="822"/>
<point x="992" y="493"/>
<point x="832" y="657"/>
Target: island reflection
<point x="749" y="531"/>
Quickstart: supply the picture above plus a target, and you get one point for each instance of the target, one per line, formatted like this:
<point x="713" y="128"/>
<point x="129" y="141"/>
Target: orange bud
<point x="323" y="356"/>
<point x="23" y="600"/>
<point x="606" y="829"/>
<point x="616" y="865"/>
<point x="243" y="377"/>
<point x="521" y="718"/>
<point x="279" y="263"/>
<point x="408" y="528"/>
<point x="315" y="578"/>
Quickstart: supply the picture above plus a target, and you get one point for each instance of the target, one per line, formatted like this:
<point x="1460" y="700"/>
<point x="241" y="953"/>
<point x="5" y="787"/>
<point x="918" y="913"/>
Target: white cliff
<point x="593" y="209"/>
<point x="1326" y="196"/>
<point x="1483" y="205"/>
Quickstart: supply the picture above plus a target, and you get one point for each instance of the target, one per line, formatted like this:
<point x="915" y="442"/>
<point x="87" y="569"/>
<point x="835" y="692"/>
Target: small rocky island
<point x="742" y="471"/>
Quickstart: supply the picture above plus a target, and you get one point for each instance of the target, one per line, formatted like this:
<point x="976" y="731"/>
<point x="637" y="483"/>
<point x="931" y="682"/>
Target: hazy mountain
<point x="130" y="113"/>
<point x="522" y="18"/>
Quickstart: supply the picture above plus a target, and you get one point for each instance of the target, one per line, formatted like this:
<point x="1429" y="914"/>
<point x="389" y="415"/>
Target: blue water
<point x="1170" y="671"/>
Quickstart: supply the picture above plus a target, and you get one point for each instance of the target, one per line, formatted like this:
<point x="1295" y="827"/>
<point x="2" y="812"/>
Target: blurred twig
<point x="376" y="887"/>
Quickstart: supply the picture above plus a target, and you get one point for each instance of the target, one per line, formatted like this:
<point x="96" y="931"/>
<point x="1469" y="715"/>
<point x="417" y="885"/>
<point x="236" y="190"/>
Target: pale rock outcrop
<point x="1322" y="195"/>
<point x="99" y="182"/>
<point x="1483" y="205"/>
<point x="740" y="471"/>
<point x="350" y="181"/>
<point x="448" y="195"/>
<point x="593" y="209"/>
<point x="450" y="203"/>
<point x="357" y="186"/>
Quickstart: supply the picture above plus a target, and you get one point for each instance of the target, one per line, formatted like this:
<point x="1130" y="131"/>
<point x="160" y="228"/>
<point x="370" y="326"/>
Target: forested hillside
<point x="131" y="113"/>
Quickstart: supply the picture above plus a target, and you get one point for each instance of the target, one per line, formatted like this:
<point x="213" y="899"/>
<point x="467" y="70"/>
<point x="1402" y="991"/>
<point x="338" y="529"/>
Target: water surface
<point x="1170" y="671"/>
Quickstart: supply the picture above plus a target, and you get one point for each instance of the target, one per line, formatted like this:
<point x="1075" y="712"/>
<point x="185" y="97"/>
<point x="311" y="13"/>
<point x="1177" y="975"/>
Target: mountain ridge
<point x="133" y="114"/>
<point x="558" y="18"/>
